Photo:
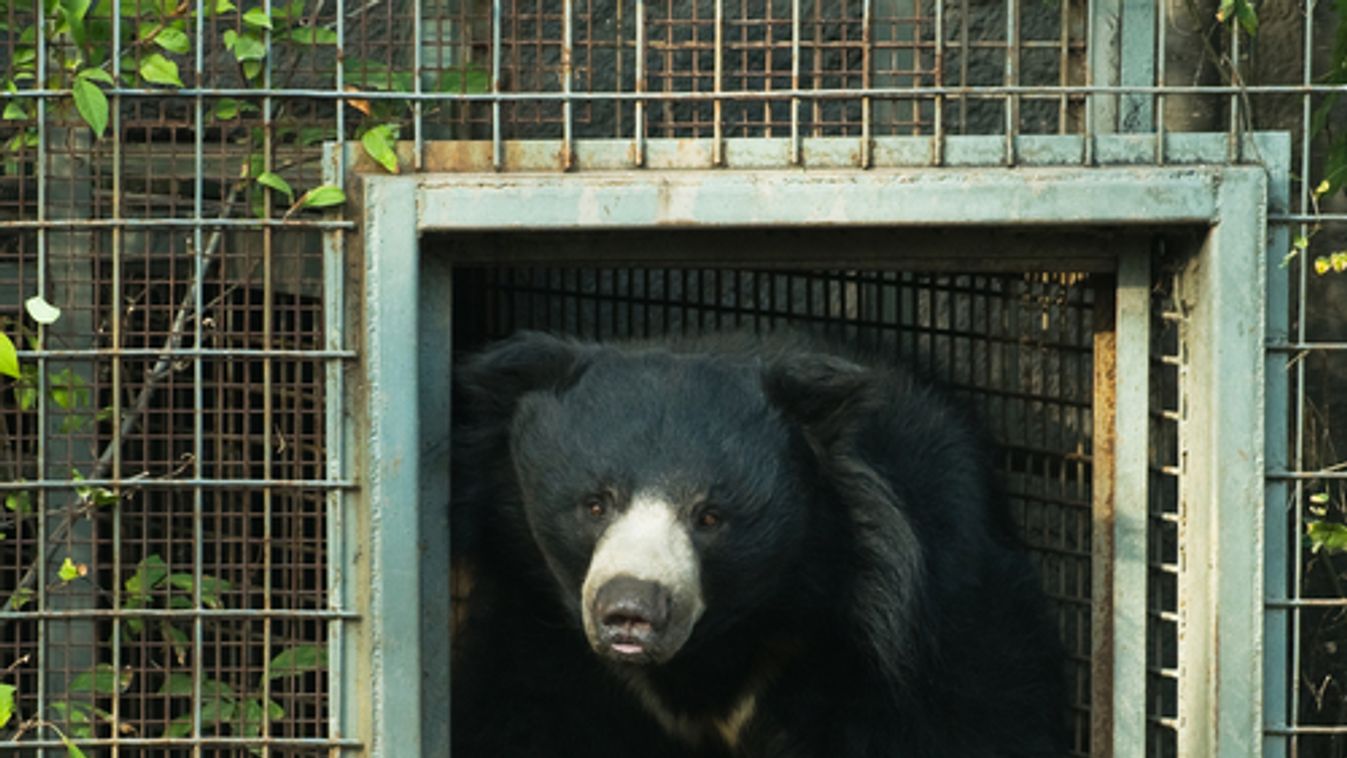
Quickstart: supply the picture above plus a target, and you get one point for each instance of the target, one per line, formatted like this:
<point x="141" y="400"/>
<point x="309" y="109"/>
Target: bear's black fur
<point x="858" y="588"/>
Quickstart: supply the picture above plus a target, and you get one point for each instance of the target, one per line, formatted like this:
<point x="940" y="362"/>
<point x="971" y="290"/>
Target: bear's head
<point x="672" y="495"/>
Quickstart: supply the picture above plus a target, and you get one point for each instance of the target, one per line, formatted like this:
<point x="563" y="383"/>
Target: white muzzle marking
<point x="648" y="542"/>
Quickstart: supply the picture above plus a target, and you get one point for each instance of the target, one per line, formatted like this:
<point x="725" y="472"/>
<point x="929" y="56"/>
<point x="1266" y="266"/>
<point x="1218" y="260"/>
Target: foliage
<point x="156" y="42"/>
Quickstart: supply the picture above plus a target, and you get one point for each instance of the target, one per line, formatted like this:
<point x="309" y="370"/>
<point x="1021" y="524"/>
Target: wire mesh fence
<point x="168" y="474"/>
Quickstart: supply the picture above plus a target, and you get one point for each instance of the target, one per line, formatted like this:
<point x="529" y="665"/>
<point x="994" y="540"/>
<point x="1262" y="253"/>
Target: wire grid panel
<point x="165" y="564"/>
<point x="1016" y="348"/>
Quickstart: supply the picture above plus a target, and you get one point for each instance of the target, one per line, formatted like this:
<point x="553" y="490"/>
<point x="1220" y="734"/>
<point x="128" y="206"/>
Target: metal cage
<point x="1074" y="213"/>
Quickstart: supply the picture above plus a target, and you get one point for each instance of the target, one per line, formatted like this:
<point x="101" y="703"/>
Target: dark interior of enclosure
<point x="1016" y="346"/>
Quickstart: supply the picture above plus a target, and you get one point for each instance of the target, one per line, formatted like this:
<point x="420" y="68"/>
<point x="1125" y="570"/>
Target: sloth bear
<point x="735" y="546"/>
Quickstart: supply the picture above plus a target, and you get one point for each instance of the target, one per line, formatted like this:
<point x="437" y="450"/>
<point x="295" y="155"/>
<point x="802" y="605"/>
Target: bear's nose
<point x="632" y="613"/>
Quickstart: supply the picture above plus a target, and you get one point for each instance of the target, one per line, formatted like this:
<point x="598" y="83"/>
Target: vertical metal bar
<point x="1063" y="64"/>
<point x="867" y="64"/>
<point x="965" y="16"/>
<point x="497" y="148"/>
<point x="795" y="157"/>
<point x="1012" y="77"/>
<point x="567" y="74"/>
<point x="1103" y="468"/>
<point x="1131" y="503"/>
<point x="1136" y="64"/>
<point x="938" y="150"/>
<point x="1276" y="652"/>
<point x="198" y="393"/>
<point x="418" y="66"/>
<point x="640" y="84"/>
<point x="1160" y="30"/>
<point x="268" y="401"/>
<point x="1296" y="559"/>
<point x="115" y="321"/>
<point x="389" y="557"/>
<point x="43" y="494"/>
<point x="1221" y="490"/>
<point x="334" y="304"/>
<point x="717" y="113"/>
<point x="1235" y="149"/>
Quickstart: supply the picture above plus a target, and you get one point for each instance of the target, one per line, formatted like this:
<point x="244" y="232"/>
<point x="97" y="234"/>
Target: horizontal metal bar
<point x="185" y="614"/>
<point x="1305" y="218"/>
<point x="298" y="742"/>
<point x="185" y="352"/>
<point x="919" y="198"/>
<point x="1307" y="602"/>
<point x="147" y="483"/>
<point x="1303" y="476"/>
<point x="176" y="223"/>
<point x="969" y="91"/>
<point x="1287" y="731"/>
<point x="1296" y="347"/>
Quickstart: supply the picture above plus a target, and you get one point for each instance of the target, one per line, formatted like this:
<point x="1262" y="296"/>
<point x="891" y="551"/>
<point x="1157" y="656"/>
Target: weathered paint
<point x="1221" y="485"/>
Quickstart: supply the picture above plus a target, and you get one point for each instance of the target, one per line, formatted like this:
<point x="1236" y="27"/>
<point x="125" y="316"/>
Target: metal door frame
<point x="394" y="409"/>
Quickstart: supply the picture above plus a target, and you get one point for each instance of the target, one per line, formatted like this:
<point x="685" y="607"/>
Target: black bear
<point x="736" y="546"/>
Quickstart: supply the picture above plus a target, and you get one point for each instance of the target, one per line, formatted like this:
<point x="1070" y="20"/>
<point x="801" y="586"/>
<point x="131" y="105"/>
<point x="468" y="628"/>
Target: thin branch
<point x="163" y="366"/>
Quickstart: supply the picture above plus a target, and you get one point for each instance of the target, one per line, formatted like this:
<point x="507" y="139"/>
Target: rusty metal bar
<point x="794" y="83"/>
<point x="567" y="83"/>
<point x="1102" y="462"/>
<point x="717" y="86"/>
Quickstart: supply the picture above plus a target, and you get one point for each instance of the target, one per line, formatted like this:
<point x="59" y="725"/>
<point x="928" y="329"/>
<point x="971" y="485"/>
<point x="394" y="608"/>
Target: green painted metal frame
<point x="396" y="660"/>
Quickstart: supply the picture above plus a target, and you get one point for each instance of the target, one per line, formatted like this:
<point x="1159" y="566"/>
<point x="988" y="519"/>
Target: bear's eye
<point x="596" y="506"/>
<point x="709" y="518"/>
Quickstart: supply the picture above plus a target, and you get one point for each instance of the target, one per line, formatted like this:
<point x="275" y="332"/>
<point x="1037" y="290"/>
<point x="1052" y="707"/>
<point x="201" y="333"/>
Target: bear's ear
<point x="824" y="394"/>
<point x="831" y="398"/>
<point x="494" y="380"/>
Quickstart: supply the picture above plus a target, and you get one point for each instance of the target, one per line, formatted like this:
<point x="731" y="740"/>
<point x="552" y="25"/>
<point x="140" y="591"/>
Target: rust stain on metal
<point x="1104" y="450"/>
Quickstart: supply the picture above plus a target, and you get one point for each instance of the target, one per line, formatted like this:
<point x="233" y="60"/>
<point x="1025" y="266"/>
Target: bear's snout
<point x="633" y="614"/>
<point x="642" y="593"/>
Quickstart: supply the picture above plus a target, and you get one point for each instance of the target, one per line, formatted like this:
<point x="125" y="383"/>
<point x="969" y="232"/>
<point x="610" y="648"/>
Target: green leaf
<point x="379" y="144"/>
<point x="173" y="40"/>
<point x="41" y="311"/>
<point x="18" y="502"/>
<point x="298" y="660"/>
<point x="15" y="111"/>
<point x="469" y="79"/>
<point x="177" y="638"/>
<point x="21" y="597"/>
<point x="9" y="357"/>
<point x="313" y="35"/>
<point x="213" y="711"/>
<point x="180" y="685"/>
<point x="224" y="6"/>
<point x="324" y="196"/>
<point x="251" y="69"/>
<point x="68" y="572"/>
<point x="72" y="750"/>
<point x="211" y="587"/>
<point x="258" y="18"/>
<point x="92" y="105"/>
<point x="274" y="181"/>
<point x="1247" y="16"/>
<point x="96" y="74"/>
<point x="250" y="716"/>
<point x="6" y="703"/>
<point x="156" y="69"/>
<point x="103" y="680"/>
<point x="228" y="109"/>
<point x="1325" y="535"/>
<point x="150" y="573"/>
